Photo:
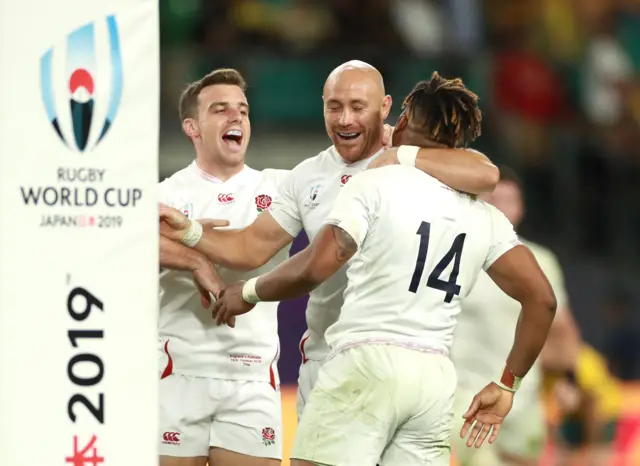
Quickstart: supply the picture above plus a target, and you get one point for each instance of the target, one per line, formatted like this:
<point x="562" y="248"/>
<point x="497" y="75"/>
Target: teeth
<point x="234" y="132"/>
<point x="347" y="135"/>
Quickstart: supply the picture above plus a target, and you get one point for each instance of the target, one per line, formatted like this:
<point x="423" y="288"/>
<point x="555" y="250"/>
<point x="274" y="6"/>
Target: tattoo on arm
<point x="347" y="247"/>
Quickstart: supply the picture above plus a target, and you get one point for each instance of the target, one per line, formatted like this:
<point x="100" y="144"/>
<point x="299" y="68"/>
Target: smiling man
<point x="219" y="391"/>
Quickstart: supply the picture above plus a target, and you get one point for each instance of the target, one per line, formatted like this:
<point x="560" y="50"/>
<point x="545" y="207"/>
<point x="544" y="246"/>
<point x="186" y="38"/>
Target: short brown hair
<point x="446" y="110"/>
<point x="188" y="106"/>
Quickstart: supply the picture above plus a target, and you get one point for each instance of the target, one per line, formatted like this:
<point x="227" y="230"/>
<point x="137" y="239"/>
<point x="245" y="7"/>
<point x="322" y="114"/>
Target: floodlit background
<point x="559" y="87"/>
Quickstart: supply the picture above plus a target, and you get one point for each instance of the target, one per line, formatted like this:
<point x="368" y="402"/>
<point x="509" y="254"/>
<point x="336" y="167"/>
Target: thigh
<point x="249" y="421"/>
<point x="425" y="399"/>
<point x="307" y="378"/>
<point x="185" y="417"/>
<point x="348" y="418"/>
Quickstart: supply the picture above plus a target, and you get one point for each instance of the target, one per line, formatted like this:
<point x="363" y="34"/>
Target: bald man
<point x="355" y="108"/>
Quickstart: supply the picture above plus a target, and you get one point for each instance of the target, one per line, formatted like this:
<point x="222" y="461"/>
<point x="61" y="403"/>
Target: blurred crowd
<point x="558" y="80"/>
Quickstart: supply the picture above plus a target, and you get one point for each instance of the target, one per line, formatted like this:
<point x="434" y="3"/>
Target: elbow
<point x="490" y="177"/>
<point x="540" y="303"/>
<point x="251" y="262"/>
<point x="548" y="302"/>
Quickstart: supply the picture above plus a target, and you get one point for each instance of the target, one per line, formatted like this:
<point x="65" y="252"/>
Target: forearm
<point x="229" y="249"/>
<point x="287" y="281"/>
<point x="531" y="333"/>
<point x="468" y="171"/>
<point x="176" y="256"/>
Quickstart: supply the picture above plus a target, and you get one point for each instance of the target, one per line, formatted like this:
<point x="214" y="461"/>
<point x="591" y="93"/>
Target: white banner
<point x="79" y="97"/>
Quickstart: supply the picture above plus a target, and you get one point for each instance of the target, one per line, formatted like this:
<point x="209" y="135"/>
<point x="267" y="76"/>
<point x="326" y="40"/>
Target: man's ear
<point x="190" y="128"/>
<point x="386" y="106"/>
<point x="401" y="125"/>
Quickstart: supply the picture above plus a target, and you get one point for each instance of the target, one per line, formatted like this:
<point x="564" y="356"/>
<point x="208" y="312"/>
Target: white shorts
<point x="307" y="378"/>
<point x="523" y="432"/>
<point x="197" y="413"/>
<point x="379" y="404"/>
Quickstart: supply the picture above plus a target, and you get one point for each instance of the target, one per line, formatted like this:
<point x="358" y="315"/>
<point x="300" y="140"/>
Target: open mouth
<point x="233" y="138"/>
<point x="348" y="136"/>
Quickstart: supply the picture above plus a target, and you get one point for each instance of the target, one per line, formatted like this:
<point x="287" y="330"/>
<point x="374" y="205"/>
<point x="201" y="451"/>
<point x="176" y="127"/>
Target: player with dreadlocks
<point x="385" y="393"/>
<point x="442" y="112"/>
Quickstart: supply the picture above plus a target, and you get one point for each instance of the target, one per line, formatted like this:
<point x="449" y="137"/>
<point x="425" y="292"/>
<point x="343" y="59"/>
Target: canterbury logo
<point x="225" y="198"/>
<point x="171" y="437"/>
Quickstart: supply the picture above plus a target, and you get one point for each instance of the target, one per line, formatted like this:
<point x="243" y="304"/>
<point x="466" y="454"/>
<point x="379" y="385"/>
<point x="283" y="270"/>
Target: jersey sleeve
<point x="503" y="237"/>
<point x="354" y="207"/>
<point x="285" y="209"/>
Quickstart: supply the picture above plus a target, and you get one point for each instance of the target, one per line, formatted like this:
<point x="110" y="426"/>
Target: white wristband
<point x="193" y="234"/>
<point x="407" y="155"/>
<point x="249" y="291"/>
<point x="504" y="387"/>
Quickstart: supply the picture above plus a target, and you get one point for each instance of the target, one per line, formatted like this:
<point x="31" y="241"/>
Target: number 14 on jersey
<point x="450" y="287"/>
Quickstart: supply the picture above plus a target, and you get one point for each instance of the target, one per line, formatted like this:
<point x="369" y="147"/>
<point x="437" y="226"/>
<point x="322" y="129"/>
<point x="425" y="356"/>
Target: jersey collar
<point x="237" y="178"/>
<point x="359" y="163"/>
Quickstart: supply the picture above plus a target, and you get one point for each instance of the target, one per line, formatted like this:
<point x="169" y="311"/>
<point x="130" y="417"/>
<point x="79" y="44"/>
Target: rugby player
<point x="485" y="332"/>
<point x="414" y="249"/>
<point x="219" y="389"/>
<point x="355" y="108"/>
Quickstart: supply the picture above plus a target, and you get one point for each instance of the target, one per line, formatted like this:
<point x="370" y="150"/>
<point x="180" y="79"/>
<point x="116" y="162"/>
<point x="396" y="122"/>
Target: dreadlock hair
<point x="445" y="109"/>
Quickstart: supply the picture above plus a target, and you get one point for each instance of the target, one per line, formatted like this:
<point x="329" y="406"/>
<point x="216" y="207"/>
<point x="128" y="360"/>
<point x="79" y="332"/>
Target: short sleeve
<point x="285" y="209"/>
<point x="503" y="237"/>
<point x="353" y="209"/>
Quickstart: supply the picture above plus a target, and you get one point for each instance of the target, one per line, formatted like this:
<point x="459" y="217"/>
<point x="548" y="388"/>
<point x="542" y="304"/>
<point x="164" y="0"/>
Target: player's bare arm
<point x="330" y="250"/>
<point x="179" y="257"/>
<point x="518" y="274"/>
<point x="243" y="249"/>
<point x="465" y="170"/>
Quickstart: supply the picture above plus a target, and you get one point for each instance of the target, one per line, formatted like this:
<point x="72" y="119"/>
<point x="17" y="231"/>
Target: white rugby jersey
<point x="421" y="246"/>
<point x="305" y="199"/>
<point x="190" y="341"/>
<point x="486" y="329"/>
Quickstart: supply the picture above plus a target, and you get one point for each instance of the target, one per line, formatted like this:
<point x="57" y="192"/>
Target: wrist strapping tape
<point x="249" y="291"/>
<point x="407" y="155"/>
<point x="509" y="381"/>
<point x="193" y="234"/>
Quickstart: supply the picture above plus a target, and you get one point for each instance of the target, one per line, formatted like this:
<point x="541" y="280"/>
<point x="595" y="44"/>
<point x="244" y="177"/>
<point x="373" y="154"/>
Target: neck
<point x="411" y="138"/>
<point x="370" y="153"/>
<point x="216" y="169"/>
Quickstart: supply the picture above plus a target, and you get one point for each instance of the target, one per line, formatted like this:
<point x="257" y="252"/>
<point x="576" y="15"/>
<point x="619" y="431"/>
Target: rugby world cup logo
<point x="81" y="84"/>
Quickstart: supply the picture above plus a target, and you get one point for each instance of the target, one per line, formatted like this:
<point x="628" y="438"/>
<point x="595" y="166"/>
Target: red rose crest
<point x="344" y="179"/>
<point x="268" y="436"/>
<point x="263" y="202"/>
